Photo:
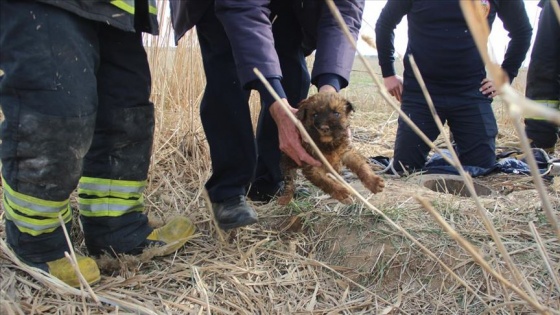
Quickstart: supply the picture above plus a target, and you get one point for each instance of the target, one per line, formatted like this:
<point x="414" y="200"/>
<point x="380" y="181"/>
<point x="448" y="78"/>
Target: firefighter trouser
<point x="75" y="96"/>
<point x="542" y="133"/>
<point x="543" y="79"/>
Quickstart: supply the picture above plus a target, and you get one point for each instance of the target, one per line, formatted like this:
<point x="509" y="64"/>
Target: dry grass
<point x="315" y="256"/>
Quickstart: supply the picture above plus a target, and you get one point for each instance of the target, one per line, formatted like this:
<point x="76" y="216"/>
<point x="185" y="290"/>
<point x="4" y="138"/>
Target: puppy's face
<point x="325" y="116"/>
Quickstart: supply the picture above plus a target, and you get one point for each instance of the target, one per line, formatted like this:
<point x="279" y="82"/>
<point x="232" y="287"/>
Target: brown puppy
<point x="325" y="117"/>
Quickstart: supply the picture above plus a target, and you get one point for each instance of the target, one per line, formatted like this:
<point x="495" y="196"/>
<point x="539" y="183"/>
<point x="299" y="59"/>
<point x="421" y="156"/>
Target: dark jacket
<point x="185" y="14"/>
<point x="127" y="15"/>
<point x="442" y="45"/>
<point x="248" y="26"/>
<point x="543" y="76"/>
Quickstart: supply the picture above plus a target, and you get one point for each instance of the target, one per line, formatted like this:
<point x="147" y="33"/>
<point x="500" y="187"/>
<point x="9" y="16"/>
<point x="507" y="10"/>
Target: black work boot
<point x="233" y="212"/>
<point x="260" y="192"/>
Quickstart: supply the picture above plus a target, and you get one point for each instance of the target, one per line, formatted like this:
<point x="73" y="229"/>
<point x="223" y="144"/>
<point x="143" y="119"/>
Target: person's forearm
<point x="516" y="22"/>
<point x="329" y="81"/>
<point x="335" y="55"/>
<point x="266" y="97"/>
<point x="390" y="17"/>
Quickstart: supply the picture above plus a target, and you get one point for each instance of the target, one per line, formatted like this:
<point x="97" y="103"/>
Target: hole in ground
<point x="455" y="187"/>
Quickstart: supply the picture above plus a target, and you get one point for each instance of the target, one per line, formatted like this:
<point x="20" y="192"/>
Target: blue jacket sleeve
<point x="516" y="22"/>
<point x="390" y="17"/>
<point x="334" y="54"/>
<point x="249" y="30"/>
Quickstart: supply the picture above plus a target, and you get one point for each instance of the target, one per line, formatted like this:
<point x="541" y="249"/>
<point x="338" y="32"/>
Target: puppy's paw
<point x="375" y="184"/>
<point x="342" y="195"/>
<point x="284" y="199"/>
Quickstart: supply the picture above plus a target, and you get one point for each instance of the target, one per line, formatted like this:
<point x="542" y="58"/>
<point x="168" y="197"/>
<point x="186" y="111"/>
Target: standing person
<point x="543" y="78"/>
<point x="274" y="37"/>
<point x="75" y="97"/>
<point x="450" y="64"/>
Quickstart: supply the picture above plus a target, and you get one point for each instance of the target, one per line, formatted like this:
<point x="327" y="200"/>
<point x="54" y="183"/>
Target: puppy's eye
<point x="336" y="114"/>
<point x="315" y="115"/>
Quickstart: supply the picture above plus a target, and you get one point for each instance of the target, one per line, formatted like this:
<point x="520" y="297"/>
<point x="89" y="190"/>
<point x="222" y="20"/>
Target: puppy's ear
<point x="302" y="109"/>
<point x="349" y="107"/>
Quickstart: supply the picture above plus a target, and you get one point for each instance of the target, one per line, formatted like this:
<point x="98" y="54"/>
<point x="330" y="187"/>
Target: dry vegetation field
<point x="315" y="256"/>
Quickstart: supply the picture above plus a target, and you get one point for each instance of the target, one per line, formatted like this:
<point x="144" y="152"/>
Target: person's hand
<point x="394" y="85"/>
<point x="487" y="88"/>
<point x="288" y="135"/>
<point x="327" y="89"/>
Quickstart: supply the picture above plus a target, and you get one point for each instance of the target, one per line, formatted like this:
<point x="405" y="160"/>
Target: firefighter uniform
<point x="75" y="97"/>
<point x="543" y="78"/>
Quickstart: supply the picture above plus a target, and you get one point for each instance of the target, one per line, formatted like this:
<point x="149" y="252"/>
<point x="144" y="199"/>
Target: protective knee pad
<point x="42" y="154"/>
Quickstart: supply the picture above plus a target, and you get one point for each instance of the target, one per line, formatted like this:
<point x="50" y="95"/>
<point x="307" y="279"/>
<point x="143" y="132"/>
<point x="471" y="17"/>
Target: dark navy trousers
<point x="240" y="157"/>
<point x="470" y="119"/>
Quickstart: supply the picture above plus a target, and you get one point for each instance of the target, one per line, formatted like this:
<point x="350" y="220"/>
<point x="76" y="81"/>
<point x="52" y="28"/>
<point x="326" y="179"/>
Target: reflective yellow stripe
<point x="106" y="189"/>
<point x="106" y="194"/>
<point x="110" y="197"/>
<point x="35" y="225"/>
<point x="109" y="207"/>
<point x="549" y="103"/>
<point x="119" y="204"/>
<point x="537" y="118"/>
<point x="555" y="104"/>
<point x="127" y="6"/>
<point x="113" y="182"/>
<point x="110" y="188"/>
<point x="32" y="203"/>
<point x="153" y="7"/>
<point x="30" y="210"/>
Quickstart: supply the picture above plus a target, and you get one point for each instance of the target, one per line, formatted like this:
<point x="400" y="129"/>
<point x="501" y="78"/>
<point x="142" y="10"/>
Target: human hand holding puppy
<point x="325" y="117"/>
<point x="289" y="137"/>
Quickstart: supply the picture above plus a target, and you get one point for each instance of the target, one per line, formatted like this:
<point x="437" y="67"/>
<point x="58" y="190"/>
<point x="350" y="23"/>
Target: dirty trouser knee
<point x="471" y="121"/>
<point x="410" y="150"/>
<point x="115" y="169"/>
<point x="48" y="98"/>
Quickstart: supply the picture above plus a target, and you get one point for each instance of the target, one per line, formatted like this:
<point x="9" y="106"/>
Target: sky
<point x="498" y="37"/>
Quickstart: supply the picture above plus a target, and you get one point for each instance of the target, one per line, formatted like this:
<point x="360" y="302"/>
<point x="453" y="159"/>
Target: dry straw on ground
<point x="315" y="256"/>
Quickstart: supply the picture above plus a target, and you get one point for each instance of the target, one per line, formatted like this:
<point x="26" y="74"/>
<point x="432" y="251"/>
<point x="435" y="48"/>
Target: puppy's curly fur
<point x="325" y="116"/>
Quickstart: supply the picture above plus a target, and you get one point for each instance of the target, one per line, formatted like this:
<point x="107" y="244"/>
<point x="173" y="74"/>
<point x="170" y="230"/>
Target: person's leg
<point x="296" y="81"/>
<point x="543" y="79"/>
<point x="474" y="128"/>
<point x="410" y="150"/>
<point x="110" y="194"/>
<point x="542" y="133"/>
<point x="226" y="120"/>
<point x="225" y="115"/>
<point x="48" y="97"/>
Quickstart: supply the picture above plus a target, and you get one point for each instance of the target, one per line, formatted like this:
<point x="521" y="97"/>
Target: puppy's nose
<point x="325" y="128"/>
